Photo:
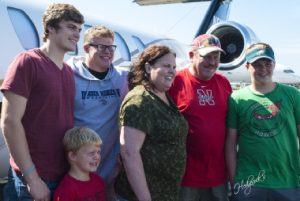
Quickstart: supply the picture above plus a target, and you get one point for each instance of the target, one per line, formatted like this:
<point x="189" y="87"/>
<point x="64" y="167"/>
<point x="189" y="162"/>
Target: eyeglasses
<point x="102" y="47"/>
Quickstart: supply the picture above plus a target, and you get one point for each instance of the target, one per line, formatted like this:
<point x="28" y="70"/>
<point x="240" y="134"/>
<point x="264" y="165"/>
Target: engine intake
<point x="234" y="38"/>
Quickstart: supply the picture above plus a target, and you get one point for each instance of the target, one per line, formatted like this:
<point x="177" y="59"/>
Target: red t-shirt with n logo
<point x="204" y="105"/>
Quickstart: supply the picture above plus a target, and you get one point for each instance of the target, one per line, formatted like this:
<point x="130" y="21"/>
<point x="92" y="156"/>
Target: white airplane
<point x="234" y="38"/>
<point x="22" y="30"/>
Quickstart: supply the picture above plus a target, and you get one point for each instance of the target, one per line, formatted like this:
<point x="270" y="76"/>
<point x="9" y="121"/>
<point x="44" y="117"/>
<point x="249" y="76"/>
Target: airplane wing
<point x="157" y="2"/>
<point x="218" y="11"/>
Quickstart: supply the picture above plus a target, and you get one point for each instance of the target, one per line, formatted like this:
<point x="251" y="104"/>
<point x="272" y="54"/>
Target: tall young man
<point x="264" y="122"/>
<point x="37" y="107"/>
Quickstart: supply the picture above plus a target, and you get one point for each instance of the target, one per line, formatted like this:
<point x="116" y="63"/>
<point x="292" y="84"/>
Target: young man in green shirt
<point x="264" y="121"/>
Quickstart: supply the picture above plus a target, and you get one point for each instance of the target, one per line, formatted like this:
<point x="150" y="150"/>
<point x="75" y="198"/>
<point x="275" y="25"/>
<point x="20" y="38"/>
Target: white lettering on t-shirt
<point x="205" y="97"/>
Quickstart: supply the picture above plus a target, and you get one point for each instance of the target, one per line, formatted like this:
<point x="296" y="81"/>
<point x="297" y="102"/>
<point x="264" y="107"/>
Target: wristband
<point x="29" y="170"/>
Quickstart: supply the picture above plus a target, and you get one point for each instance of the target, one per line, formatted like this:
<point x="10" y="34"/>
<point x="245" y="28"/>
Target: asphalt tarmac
<point x="2" y="183"/>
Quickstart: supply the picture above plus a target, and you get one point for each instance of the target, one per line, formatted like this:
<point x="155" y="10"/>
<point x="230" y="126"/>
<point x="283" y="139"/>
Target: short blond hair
<point x="97" y="31"/>
<point x="76" y="137"/>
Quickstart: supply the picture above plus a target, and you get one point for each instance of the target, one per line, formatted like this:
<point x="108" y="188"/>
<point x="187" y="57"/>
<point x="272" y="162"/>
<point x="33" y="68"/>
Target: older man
<point x="201" y="95"/>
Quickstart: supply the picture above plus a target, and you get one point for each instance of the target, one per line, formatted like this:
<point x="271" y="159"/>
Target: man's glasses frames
<point x="102" y="47"/>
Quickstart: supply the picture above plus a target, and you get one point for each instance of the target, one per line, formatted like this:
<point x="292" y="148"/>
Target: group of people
<point x="88" y="130"/>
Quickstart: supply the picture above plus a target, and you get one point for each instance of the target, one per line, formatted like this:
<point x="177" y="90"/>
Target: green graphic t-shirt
<point x="268" y="150"/>
<point x="163" y="152"/>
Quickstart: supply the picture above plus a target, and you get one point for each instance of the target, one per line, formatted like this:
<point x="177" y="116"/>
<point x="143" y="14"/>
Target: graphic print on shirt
<point x="265" y="118"/>
<point x="102" y="96"/>
<point x="205" y="97"/>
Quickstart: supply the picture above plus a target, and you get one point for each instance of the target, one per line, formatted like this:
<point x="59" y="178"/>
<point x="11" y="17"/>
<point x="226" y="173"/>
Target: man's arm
<point x="13" y="108"/>
<point x="230" y="153"/>
<point x="131" y="142"/>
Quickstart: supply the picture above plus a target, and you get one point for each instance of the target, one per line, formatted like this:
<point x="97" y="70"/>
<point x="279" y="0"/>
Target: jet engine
<point x="234" y="38"/>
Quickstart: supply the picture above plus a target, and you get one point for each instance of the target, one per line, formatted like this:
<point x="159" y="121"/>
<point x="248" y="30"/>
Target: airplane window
<point x="139" y="44"/>
<point x="73" y="53"/>
<point x="288" y="71"/>
<point x="86" y="27"/>
<point x="24" y="28"/>
<point x="122" y="53"/>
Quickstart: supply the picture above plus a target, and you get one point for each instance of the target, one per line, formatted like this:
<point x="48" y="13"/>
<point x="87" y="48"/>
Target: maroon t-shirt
<point x="49" y="111"/>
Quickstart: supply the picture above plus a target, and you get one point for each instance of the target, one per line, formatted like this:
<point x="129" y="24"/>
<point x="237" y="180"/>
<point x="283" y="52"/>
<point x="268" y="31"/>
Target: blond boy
<point x="82" y="146"/>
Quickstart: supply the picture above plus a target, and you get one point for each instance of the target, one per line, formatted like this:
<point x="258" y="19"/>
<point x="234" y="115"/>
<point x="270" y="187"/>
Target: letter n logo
<point x="205" y="97"/>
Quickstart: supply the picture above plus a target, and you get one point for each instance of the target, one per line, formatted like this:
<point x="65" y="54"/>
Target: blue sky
<point x="276" y="23"/>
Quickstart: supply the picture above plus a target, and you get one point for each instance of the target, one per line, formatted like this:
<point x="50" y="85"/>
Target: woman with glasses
<point x="153" y="132"/>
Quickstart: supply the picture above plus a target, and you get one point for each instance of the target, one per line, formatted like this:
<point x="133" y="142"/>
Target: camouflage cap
<point x="207" y="43"/>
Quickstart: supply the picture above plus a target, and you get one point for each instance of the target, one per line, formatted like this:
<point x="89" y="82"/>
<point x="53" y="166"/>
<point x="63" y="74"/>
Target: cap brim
<point x="260" y="57"/>
<point x="207" y="50"/>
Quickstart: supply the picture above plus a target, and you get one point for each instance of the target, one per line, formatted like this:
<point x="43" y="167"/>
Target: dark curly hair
<point x="138" y="74"/>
